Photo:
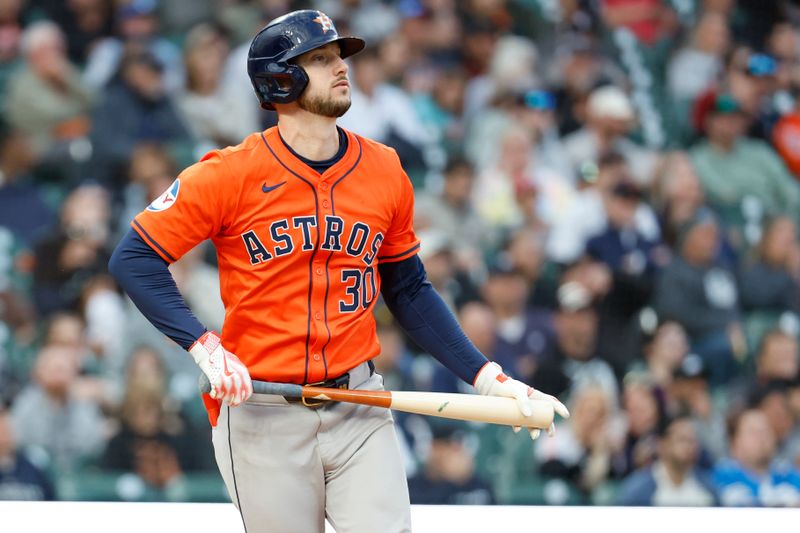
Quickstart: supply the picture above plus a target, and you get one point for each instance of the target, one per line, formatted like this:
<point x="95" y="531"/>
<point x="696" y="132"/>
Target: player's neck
<point x="312" y="136"/>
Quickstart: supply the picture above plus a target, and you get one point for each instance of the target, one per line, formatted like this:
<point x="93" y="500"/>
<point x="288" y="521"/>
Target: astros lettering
<point x="335" y="233"/>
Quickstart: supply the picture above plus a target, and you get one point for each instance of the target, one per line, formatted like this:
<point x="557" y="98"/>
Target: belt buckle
<point x="342" y="382"/>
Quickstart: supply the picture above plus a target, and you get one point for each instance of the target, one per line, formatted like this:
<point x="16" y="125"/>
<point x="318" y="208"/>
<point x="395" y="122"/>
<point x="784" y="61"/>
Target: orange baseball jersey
<point x="297" y="251"/>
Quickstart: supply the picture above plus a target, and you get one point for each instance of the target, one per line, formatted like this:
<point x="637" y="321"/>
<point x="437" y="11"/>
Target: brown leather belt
<point x="342" y="382"/>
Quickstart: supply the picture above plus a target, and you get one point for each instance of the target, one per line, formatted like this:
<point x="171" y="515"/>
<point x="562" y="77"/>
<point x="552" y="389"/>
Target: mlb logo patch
<point x="167" y="198"/>
<point x="324" y="21"/>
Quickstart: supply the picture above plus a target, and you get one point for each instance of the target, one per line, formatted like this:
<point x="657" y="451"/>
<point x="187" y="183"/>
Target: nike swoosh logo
<point x="265" y="188"/>
<point x="227" y="372"/>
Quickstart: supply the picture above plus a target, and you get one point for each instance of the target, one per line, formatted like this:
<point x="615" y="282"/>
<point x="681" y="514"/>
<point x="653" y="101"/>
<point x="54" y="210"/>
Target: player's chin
<point x="344" y="107"/>
<point x="338" y="106"/>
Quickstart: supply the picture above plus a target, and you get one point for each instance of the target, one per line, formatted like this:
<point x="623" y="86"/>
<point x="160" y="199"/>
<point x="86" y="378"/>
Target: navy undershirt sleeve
<point x="422" y="313"/>
<point x="143" y="274"/>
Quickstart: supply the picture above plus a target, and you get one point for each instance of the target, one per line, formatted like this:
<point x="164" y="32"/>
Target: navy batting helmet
<point x="277" y="80"/>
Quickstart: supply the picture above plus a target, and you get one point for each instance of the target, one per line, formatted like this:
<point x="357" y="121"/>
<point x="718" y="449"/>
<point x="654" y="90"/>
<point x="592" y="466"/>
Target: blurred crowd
<point x="607" y="197"/>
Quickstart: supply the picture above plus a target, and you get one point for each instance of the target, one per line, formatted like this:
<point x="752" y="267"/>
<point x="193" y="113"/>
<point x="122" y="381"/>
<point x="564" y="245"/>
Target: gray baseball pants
<point x="288" y="468"/>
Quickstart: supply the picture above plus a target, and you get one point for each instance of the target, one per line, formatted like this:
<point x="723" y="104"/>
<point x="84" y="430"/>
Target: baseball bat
<point x="489" y="409"/>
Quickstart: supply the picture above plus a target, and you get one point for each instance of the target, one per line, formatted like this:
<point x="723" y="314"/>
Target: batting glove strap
<point x="229" y="378"/>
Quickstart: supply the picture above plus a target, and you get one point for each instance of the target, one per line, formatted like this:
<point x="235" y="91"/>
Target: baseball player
<point x="310" y="222"/>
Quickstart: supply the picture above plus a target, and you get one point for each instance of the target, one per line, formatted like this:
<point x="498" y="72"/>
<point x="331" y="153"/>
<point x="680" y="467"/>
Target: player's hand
<point x="230" y="381"/>
<point x="491" y="381"/>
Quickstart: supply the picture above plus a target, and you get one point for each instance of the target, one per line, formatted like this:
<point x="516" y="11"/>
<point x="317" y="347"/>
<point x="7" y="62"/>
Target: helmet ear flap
<point x="280" y="85"/>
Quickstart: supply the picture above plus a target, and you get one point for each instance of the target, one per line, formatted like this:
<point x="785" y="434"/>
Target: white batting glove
<point x="491" y="381"/>
<point x="230" y="381"/>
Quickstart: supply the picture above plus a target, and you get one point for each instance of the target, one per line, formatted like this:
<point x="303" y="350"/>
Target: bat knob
<point x="203" y="383"/>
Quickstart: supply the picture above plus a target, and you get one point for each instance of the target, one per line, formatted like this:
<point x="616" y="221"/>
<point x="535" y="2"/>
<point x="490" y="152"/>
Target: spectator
<point x="386" y="113"/>
<point x="75" y="253"/>
<point x="772" y="399"/>
<point x="19" y="196"/>
<point x="526" y="255"/>
<point x="137" y="31"/>
<point x="437" y="252"/>
<point x="727" y="164"/>
<point x="677" y="194"/>
<point x="151" y="171"/>
<point x="67" y="329"/>
<point x="46" y="97"/>
<point x="452" y="213"/>
<point x="586" y="215"/>
<point x="398" y="366"/>
<point x="698" y="291"/>
<point x="584" y="446"/>
<point x="570" y="362"/>
<point x="665" y="352"/>
<point x="633" y="259"/>
<point x="48" y="415"/>
<point x="12" y="21"/>
<point x="609" y="118"/>
<point x="771" y="280"/>
<point x="695" y="68"/>
<point x="579" y="68"/>
<point x="690" y="393"/>
<point x="521" y="333"/>
<point x="673" y="479"/>
<point x="20" y="479"/>
<point x="504" y="190"/>
<point x="215" y="115"/>
<point x="442" y="110"/>
<point x="142" y="446"/>
<point x="448" y="477"/>
<point x="512" y="69"/>
<point x="135" y="109"/>
<point x="778" y="358"/>
<point x="19" y="327"/>
<point x="84" y="22"/>
<point x="645" y="410"/>
<point x="749" y="477"/>
<point x="154" y="439"/>
<point x="536" y="112"/>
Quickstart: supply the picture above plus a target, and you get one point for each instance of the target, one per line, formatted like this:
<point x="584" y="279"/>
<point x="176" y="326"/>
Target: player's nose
<point x="340" y="67"/>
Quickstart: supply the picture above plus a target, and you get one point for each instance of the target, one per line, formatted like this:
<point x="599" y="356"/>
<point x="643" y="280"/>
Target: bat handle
<point x="287" y="390"/>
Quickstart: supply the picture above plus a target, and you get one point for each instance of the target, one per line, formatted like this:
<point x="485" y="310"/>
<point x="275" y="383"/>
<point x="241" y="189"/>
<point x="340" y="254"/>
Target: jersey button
<point x="316" y="357"/>
<point x="318" y="271"/>
<point x="325" y="204"/>
<point x="318" y="316"/>
<point x="324" y="186"/>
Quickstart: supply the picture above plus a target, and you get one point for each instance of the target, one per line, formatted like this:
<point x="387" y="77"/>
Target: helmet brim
<point x="350" y="45"/>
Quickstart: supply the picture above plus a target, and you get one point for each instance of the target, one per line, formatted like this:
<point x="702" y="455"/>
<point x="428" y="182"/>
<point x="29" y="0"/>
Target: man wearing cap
<point x="744" y="179"/>
<point x="633" y="259"/>
<point x="610" y="117"/>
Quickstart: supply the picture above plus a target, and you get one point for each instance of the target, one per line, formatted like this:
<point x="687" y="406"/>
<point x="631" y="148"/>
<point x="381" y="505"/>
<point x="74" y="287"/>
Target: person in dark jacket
<point x="20" y="479"/>
<point x="673" y="479"/>
<point x="449" y="476"/>
<point x="771" y="282"/>
<point x="698" y="290"/>
<point x="135" y="109"/>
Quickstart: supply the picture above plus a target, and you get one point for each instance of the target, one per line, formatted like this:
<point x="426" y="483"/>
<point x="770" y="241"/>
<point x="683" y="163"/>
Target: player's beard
<point x="326" y="107"/>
